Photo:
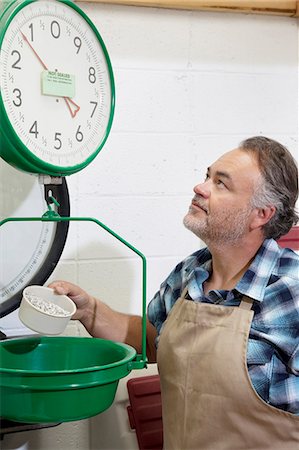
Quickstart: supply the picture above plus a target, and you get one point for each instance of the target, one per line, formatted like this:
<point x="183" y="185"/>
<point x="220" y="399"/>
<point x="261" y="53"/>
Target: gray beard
<point x="228" y="230"/>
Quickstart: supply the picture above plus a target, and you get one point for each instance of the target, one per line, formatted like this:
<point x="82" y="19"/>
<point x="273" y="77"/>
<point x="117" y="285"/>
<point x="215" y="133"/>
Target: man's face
<point x="221" y="210"/>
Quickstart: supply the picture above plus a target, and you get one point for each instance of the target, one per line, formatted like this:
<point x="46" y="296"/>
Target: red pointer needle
<point x="66" y="99"/>
<point x="72" y="111"/>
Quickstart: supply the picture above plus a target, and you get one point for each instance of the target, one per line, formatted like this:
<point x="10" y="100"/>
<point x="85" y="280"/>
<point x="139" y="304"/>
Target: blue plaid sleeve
<point x="172" y="287"/>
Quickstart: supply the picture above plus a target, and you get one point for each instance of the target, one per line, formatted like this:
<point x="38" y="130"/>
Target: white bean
<point x="46" y="306"/>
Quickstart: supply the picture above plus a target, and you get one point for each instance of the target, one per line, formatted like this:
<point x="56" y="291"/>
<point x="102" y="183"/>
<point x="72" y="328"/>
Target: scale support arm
<point x="52" y="216"/>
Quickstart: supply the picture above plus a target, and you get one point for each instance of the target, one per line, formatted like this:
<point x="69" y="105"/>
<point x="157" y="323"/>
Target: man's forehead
<point x="239" y="167"/>
<point x="236" y="159"/>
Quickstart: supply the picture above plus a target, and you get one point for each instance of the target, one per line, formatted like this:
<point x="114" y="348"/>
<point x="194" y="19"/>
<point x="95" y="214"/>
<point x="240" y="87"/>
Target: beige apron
<point x="208" y="400"/>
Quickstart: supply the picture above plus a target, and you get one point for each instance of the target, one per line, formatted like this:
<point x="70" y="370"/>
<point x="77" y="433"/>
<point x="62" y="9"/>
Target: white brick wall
<point x="189" y="86"/>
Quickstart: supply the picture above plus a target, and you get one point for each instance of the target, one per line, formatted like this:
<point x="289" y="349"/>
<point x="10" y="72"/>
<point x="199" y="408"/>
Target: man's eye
<point x="220" y="183"/>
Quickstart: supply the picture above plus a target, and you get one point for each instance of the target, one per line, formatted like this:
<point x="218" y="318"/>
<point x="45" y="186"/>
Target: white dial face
<point x="55" y="83"/>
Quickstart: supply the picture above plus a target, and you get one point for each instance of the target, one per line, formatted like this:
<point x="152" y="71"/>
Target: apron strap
<point x="184" y="293"/>
<point x="246" y="303"/>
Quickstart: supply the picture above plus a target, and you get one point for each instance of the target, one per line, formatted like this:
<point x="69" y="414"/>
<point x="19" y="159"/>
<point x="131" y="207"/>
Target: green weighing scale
<point x="56" y="111"/>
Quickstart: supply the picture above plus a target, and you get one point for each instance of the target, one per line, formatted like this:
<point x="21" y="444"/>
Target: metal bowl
<point x="60" y="379"/>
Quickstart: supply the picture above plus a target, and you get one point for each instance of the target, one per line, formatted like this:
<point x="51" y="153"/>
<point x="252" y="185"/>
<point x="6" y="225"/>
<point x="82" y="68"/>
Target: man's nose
<point x="202" y="189"/>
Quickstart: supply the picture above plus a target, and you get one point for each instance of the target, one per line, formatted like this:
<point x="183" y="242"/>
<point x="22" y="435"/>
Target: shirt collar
<point x="256" y="278"/>
<point x="254" y="281"/>
<point x="197" y="277"/>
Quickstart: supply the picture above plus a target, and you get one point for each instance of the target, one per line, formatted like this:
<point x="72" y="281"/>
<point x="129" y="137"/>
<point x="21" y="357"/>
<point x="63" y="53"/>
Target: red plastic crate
<point x="145" y="411"/>
<point x="290" y="240"/>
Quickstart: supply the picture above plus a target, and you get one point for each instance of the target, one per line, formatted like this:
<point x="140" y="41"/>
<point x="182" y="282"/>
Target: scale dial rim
<point x="12" y="149"/>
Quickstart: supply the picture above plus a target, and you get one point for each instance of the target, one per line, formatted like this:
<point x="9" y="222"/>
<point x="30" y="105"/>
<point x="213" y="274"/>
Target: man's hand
<point x="82" y="299"/>
<point x="103" y="322"/>
<point x="98" y="318"/>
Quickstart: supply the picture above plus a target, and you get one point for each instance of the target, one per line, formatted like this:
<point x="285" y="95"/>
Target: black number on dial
<point x="33" y="129"/>
<point x="14" y="66"/>
<point x="92" y="75"/>
<point x="79" y="134"/>
<point x="94" y="107"/>
<point x="58" y="141"/>
<point x="18" y="100"/>
<point x="55" y="29"/>
<point x="78" y="43"/>
<point x="31" y="31"/>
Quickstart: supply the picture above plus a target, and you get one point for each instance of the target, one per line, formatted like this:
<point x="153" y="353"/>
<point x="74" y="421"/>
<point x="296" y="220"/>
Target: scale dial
<point x="29" y="251"/>
<point x="57" y="87"/>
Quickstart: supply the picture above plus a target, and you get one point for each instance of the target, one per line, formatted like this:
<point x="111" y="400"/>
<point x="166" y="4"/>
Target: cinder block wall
<point x="189" y="86"/>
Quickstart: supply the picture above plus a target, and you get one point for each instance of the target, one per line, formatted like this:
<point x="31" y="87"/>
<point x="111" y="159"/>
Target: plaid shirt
<point x="272" y="280"/>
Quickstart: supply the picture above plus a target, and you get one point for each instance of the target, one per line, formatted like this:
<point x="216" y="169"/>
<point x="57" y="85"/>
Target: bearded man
<point x="224" y="325"/>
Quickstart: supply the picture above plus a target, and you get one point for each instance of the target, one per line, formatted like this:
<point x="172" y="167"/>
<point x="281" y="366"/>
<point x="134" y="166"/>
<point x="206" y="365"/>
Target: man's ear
<point x="262" y="216"/>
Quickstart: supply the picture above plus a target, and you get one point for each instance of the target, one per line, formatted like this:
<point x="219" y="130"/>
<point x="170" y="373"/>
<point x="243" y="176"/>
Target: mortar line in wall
<point x="138" y="196"/>
<point x="98" y="259"/>
<point x="124" y="258"/>
<point x="204" y="135"/>
<point x="178" y="256"/>
<point x="190" y="70"/>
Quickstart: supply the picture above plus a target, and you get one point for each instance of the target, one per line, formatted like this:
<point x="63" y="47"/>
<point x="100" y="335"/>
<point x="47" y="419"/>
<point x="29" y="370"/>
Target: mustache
<point x="198" y="201"/>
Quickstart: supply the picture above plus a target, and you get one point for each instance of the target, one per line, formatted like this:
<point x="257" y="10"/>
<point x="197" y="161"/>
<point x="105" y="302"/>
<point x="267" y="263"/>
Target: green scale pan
<point x="50" y="379"/>
<point x="59" y="379"/>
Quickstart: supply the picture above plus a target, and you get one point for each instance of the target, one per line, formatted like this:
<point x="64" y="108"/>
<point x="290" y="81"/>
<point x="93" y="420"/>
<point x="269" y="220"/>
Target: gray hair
<point x="279" y="186"/>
